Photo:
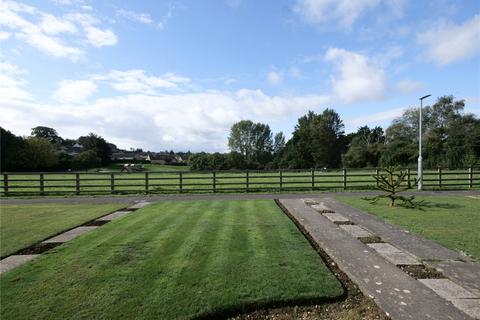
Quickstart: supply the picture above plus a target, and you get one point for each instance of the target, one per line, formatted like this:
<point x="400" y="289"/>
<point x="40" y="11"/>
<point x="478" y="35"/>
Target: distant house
<point x="157" y="158"/>
<point x="141" y="156"/>
<point x="123" y="156"/>
<point x="73" y="150"/>
<point x="161" y="159"/>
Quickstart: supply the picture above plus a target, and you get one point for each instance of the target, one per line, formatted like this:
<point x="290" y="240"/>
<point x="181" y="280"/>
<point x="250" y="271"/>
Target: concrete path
<point x="217" y="196"/>
<point x="398" y="294"/>
<point x="16" y="260"/>
<point x="460" y="268"/>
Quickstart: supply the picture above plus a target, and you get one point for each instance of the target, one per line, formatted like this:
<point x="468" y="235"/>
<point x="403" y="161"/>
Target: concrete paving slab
<point x="466" y="274"/>
<point x="14" y="261"/>
<point x="356" y="231"/>
<point x="309" y="202"/>
<point x="448" y="289"/>
<point x="335" y="217"/>
<point x="322" y="208"/>
<point x="399" y="295"/>
<point x="139" y="205"/>
<point x="469" y="306"/>
<point x="393" y="254"/>
<point x="384" y="248"/>
<point x="113" y="216"/>
<point x="402" y="239"/>
<point x="401" y="258"/>
<point x="71" y="234"/>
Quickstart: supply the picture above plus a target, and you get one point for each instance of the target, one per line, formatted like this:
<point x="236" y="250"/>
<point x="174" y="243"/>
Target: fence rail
<point x="45" y="183"/>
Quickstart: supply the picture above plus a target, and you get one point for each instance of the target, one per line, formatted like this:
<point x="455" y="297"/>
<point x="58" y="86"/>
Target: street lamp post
<point x="420" y="160"/>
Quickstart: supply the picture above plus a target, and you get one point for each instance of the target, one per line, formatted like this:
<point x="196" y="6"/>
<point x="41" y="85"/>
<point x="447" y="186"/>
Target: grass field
<point x="172" y="260"/>
<point x="148" y="167"/>
<point x="452" y="221"/>
<point x="169" y="181"/>
<point x="24" y="225"/>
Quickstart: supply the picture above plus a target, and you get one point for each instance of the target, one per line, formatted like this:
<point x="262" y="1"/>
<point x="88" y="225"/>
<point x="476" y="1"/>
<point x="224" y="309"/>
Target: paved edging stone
<point x="14" y="261"/>
<point x="399" y="295"/>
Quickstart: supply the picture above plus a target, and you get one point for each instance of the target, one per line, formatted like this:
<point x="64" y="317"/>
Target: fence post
<point x="146" y="182"/>
<point x="214" y="181"/>
<point x="112" y="182"/>
<point x="408" y="178"/>
<point x="470" y="177"/>
<point x="42" y="184"/>
<point x="280" y="172"/>
<point x="439" y="177"/>
<point x="77" y="183"/>
<point x="377" y="173"/>
<point x="344" y="178"/>
<point x="247" y="182"/>
<point x="5" y="184"/>
<point x="313" y="178"/>
<point x="180" y="180"/>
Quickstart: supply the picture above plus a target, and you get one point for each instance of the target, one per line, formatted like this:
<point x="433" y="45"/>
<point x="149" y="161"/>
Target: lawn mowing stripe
<point x="170" y="240"/>
<point x="198" y="262"/>
<point x="275" y="232"/>
<point x="179" y="272"/>
<point x="144" y="285"/>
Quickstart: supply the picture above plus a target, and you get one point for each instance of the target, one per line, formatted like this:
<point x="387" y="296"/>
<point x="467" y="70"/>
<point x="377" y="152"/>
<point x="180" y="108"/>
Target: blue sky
<point x="177" y="74"/>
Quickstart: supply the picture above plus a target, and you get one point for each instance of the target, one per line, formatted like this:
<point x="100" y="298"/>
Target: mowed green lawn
<point x="172" y="260"/>
<point x="452" y="221"/>
<point x="24" y="225"/>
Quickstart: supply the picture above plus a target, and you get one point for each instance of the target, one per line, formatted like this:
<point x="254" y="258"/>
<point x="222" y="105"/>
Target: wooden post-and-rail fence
<point x="44" y="183"/>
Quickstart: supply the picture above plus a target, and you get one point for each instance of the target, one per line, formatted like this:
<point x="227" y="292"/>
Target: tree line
<point x="451" y="139"/>
<point x="44" y="149"/>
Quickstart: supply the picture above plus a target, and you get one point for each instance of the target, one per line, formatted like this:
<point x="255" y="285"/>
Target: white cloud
<point x="43" y="30"/>
<point x="137" y="81"/>
<point x="376" y="118"/>
<point x="342" y="12"/>
<point x="199" y="121"/>
<point x="144" y="18"/>
<point x="11" y="83"/>
<point x="274" y="77"/>
<point x="4" y="35"/>
<point x="99" y="38"/>
<point x="358" y="79"/>
<point x="53" y="25"/>
<point x="74" y="91"/>
<point x="32" y="33"/>
<point x="448" y="42"/>
<point x="409" y="86"/>
<point x="94" y="36"/>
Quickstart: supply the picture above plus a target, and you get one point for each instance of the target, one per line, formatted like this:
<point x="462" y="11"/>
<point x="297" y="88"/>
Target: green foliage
<point x="318" y="141"/>
<point x="11" y="149"/>
<point x="38" y="154"/>
<point x="252" y="140"/>
<point x="98" y="145"/>
<point x="392" y="180"/>
<point x="86" y="160"/>
<point x="48" y="133"/>
<point x="278" y="143"/>
<point x="365" y="148"/>
<point x="450" y="137"/>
